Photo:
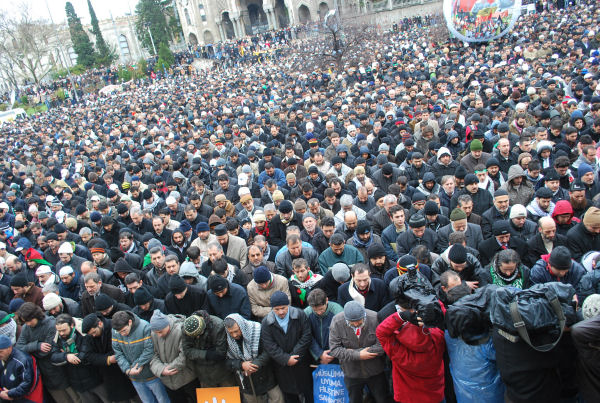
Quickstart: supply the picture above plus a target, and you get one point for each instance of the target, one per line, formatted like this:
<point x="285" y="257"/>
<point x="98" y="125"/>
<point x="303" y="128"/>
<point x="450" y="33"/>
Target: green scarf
<point x="70" y="342"/>
<point x="516" y="280"/>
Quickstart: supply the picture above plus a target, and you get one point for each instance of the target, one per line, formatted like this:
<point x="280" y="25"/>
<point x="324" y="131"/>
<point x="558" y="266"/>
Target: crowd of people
<point x="241" y="226"/>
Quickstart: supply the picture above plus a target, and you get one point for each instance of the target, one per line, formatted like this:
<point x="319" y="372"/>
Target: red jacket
<point x="417" y="356"/>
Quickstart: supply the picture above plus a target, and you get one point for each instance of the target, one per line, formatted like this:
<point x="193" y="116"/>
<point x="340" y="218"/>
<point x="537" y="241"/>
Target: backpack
<point x="469" y="318"/>
<point x="537" y="315"/>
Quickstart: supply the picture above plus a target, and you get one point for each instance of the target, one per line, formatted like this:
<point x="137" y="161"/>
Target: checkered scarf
<point x="250" y="339"/>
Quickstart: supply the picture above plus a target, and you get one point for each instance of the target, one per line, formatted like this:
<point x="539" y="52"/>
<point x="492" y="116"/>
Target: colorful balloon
<point x="481" y="20"/>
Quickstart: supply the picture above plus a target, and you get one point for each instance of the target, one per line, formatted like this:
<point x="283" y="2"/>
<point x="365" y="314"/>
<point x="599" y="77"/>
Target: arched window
<point x="202" y="12"/>
<point x="187" y="16"/>
<point x="124" y="45"/>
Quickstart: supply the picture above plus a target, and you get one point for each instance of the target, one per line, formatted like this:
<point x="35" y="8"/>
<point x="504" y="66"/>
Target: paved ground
<point x="202" y="64"/>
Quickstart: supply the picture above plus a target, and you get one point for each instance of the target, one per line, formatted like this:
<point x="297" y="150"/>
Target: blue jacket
<point x="135" y="348"/>
<point x="7" y="221"/>
<point x="18" y="375"/>
<point x="319" y="326"/>
<point x="278" y="175"/>
<point x="540" y="273"/>
<point x="71" y="290"/>
<point x="234" y="301"/>
<point x="388" y="238"/>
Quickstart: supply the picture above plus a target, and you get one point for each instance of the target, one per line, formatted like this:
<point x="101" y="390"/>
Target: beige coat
<point x="168" y="352"/>
<point x="237" y="249"/>
<point x="203" y="245"/>
<point x="260" y="300"/>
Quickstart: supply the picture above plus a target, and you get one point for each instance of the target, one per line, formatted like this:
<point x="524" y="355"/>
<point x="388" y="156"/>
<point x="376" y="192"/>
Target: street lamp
<point x="151" y="38"/>
<point x="69" y="73"/>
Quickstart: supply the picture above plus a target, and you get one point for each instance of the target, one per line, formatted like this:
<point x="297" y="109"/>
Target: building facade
<point x="208" y="21"/>
<point x="119" y="34"/>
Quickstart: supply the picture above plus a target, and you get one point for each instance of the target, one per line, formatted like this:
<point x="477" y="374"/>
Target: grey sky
<point x="103" y="8"/>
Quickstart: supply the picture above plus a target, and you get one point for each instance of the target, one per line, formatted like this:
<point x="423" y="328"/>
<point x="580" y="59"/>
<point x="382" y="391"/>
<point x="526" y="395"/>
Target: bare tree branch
<point x="24" y="45"/>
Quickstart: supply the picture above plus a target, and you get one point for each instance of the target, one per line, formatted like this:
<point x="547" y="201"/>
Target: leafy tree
<point x="165" y="57"/>
<point x="151" y="14"/>
<point x="105" y="55"/>
<point x="81" y="42"/>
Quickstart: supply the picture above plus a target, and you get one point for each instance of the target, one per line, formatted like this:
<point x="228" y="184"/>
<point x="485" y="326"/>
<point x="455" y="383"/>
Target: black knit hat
<point x="177" y="285"/>
<point x="142" y="296"/>
<point x="457" y="254"/>
<point x="278" y="299"/>
<point x="217" y="283"/>
<point x="560" y="258"/>
<point x="103" y="302"/>
<point x="375" y="250"/>
<point x="19" y="280"/>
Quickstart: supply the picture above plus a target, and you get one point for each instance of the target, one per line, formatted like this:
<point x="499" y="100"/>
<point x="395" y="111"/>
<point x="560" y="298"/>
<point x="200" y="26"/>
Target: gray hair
<point x="214" y="245"/>
<point x="50" y="288"/>
<point x="390" y="198"/>
<point x="507" y="256"/>
<point x="85" y="231"/>
<point x="94" y="276"/>
<point x="462" y="199"/>
<point x="269" y="207"/>
<point x="346" y="200"/>
<point x="135" y="211"/>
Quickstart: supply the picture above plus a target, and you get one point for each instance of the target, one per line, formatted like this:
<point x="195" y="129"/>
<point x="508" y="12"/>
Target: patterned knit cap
<point x="194" y="326"/>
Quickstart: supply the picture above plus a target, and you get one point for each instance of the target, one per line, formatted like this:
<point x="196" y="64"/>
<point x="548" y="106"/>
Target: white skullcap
<point x="66" y="247"/>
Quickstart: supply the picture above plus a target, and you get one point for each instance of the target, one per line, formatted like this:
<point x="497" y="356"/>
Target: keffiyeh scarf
<point x="250" y="339"/>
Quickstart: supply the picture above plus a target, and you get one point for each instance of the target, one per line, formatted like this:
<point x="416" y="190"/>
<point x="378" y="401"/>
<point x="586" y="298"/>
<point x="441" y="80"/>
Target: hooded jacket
<point x="20" y="377"/>
<point x="540" y="273"/>
<point x="417" y="356"/>
<point x="521" y="194"/>
<point x="564" y="207"/>
<point x="83" y="376"/>
<point x="29" y="342"/>
<point x="439" y="169"/>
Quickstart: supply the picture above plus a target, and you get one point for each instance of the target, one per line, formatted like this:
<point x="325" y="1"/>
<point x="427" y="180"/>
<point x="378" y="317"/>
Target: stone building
<point x="209" y="21"/>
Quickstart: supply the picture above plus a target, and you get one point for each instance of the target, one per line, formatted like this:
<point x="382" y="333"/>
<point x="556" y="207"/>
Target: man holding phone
<point x="352" y="340"/>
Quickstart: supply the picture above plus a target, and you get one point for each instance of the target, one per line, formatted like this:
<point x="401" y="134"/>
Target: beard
<point x="579" y="205"/>
<point x="379" y="268"/>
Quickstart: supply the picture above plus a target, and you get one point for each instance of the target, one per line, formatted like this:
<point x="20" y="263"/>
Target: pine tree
<point x="105" y="55"/>
<point x="81" y="42"/>
<point x="165" y="57"/>
<point x="151" y="15"/>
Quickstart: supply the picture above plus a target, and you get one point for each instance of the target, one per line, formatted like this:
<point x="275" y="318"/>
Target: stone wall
<point x="386" y="18"/>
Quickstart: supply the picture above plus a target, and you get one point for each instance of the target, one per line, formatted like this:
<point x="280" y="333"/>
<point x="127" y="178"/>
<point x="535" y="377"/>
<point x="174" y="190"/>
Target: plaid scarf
<point x="264" y="232"/>
<point x="250" y="339"/>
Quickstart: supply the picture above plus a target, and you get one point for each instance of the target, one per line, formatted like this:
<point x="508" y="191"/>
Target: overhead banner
<point x="481" y="20"/>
